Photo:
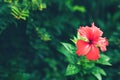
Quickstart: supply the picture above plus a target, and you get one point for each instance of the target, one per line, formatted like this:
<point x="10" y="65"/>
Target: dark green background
<point x="26" y="54"/>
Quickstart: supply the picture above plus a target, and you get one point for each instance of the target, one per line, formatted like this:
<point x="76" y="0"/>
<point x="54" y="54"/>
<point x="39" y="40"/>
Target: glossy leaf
<point x="97" y="72"/>
<point x="104" y="60"/>
<point x="97" y="75"/>
<point x="72" y="58"/>
<point x="72" y="69"/>
<point x="79" y="8"/>
<point x="69" y="47"/>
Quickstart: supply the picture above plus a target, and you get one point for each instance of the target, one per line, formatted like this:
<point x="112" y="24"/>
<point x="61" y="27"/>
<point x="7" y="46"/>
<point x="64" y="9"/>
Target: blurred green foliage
<point x="31" y="32"/>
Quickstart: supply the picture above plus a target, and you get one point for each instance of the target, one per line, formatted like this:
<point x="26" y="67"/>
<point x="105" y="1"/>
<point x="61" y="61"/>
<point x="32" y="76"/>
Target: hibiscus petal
<point x="102" y="43"/>
<point x="82" y="47"/>
<point x="93" y="54"/>
<point x="96" y="33"/>
<point x="85" y="32"/>
<point x="91" y="33"/>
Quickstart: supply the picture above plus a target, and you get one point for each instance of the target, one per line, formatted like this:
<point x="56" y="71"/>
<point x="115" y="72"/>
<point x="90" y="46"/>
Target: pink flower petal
<point x="96" y="33"/>
<point x="102" y="43"/>
<point x="82" y="47"/>
<point x="91" y="33"/>
<point x="85" y="32"/>
<point x="93" y="39"/>
<point x="93" y="54"/>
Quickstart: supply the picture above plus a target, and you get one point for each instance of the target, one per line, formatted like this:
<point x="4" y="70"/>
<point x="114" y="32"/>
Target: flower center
<point x="90" y="41"/>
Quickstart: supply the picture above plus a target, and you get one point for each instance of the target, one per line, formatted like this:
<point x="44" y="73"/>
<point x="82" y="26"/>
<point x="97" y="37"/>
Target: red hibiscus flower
<point x="91" y="42"/>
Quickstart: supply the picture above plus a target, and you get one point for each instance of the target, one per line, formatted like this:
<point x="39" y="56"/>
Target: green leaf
<point x="19" y="13"/>
<point x="69" y="47"/>
<point x="74" y="39"/>
<point x="78" y="35"/>
<point x="104" y="60"/>
<point x="15" y="10"/>
<point x="97" y="75"/>
<point x="42" y="6"/>
<point x="79" y="8"/>
<point x="102" y="72"/>
<point x="72" y="69"/>
<point x="72" y="58"/>
<point x="97" y="72"/>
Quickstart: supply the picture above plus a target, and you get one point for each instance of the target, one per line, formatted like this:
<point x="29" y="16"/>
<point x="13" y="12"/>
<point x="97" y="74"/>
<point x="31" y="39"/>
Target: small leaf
<point x="72" y="58"/>
<point x="104" y="60"/>
<point x="15" y="10"/>
<point x="42" y="6"/>
<point x="74" y="39"/>
<point x="79" y="8"/>
<point x="97" y="72"/>
<point x="20" y="13"/>
<point x="97" y="75"/>
<point x="102" y="71"/>
<point x="72" y="69"/>
<point x="78" y="35"/>
<point x="69" y="47"/>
